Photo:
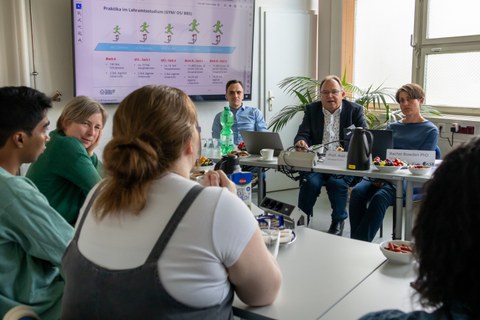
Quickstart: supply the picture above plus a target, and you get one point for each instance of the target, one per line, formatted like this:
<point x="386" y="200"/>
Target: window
<point x="382" y="51"/>
<point x="452" y="79"/>
<point x="435" y="43"/>
<point x="452" y="18"/>
<point x="448" y="54"/>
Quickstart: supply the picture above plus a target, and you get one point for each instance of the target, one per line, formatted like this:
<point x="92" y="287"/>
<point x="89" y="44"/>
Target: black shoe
<point x="336" y="227"/>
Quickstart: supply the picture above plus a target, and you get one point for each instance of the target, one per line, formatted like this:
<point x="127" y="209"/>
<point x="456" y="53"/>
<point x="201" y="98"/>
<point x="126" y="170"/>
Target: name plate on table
<point x="422" y="157"/>
<point x="336" y="159"/>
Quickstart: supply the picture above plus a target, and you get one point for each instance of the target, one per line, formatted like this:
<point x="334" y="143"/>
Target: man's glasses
<point x="326" y="92"/>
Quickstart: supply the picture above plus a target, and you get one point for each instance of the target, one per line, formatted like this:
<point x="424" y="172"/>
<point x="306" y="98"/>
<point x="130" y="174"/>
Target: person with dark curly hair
<point x="446" y="241"/>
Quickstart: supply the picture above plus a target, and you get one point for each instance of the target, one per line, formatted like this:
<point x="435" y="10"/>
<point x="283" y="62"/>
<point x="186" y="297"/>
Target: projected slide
<point x="196" y="46"/>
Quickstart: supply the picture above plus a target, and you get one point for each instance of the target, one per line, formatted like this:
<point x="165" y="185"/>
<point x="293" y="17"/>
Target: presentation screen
<point x="194" y="45"/>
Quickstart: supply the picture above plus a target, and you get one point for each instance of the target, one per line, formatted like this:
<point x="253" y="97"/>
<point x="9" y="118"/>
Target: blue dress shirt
<point x="246" y="119"/>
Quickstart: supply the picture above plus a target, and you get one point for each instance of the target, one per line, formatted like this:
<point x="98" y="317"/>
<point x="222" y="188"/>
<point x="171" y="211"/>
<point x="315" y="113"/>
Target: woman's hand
<point x="95" y="143"/>
<point x="218" y="178"/>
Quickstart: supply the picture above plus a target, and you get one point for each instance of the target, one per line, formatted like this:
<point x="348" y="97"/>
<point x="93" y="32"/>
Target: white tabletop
<point x="387" y="288"/>
<point x="318" y="269"/>
<point x="396" y="177"/>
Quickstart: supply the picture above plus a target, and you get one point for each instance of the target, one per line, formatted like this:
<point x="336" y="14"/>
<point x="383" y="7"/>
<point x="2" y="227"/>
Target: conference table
<point x="331" y="277"/>
<point x="397" y="178"/>
<point x="319" y="270"/>
<point x="388" y="287"/>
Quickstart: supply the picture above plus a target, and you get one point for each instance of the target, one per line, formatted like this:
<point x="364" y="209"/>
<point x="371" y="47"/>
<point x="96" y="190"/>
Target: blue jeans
<point x="337" y="190"/>
<point x="368" y="204"/>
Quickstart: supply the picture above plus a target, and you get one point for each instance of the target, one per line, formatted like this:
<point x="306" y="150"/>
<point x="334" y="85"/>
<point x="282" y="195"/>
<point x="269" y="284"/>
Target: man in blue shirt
<point x="246" y="118"/>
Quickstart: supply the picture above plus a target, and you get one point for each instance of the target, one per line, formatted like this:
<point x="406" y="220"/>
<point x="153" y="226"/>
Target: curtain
<point x="15" y="55"/>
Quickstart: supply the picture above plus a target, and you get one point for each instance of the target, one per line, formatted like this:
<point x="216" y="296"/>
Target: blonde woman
<point x="150" y="242"/>
<point x="69" y="168"/>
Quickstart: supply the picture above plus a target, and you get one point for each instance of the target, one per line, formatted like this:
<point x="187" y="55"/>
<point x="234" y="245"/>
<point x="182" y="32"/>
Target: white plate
<point x="266" y="160"/>
<point x="204" y="168"/>
<point x="294" y="237"/>
<point x="270" y="239"/>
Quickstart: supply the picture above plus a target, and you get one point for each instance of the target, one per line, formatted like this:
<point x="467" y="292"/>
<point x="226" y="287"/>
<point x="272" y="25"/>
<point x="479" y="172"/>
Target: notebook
<point x="382" y="140"/>
<point x="258" y="140"/>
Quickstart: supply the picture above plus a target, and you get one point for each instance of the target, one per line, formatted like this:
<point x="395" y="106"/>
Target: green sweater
<point x="65" y="173"/>
<point x="33" y="238"/>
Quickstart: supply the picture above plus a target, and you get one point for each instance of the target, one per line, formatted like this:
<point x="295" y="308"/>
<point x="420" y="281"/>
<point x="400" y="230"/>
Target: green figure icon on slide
<point x="144" y="29"/>
<point x="116" y="33"/>
<point x="169" y="28"/>
<point x="169" y="32"/>
<point x="217" y="27"/>
<point x="194" y="26"/>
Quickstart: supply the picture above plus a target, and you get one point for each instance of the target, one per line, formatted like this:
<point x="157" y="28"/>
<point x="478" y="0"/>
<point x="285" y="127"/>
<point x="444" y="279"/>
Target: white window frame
<point x="422" y="46"/>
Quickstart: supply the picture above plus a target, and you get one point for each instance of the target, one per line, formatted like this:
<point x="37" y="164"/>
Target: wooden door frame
<point x="348" y="33"/>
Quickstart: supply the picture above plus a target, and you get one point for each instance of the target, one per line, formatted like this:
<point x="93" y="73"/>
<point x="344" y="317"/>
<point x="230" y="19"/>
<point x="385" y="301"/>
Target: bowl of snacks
<point x="397" y="251"/>
<point x="239" y="153"/>
<point x="203" y="164"/>
<point x="419" y="170"/>
<point x="388" y="165"/>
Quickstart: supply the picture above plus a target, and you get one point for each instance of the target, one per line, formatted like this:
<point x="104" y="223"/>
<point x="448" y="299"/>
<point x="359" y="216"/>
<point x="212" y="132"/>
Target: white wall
<point x="54" y="63"/>
<point x="446" y="140"/>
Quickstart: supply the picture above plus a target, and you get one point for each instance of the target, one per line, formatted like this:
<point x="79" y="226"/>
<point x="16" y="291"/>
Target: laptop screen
<point x="258" y="140"/>
<point x="382" y="140"/>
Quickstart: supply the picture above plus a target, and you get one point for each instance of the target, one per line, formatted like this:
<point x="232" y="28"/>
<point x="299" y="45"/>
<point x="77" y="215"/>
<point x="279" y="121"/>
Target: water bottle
<point x="226" y="135"/>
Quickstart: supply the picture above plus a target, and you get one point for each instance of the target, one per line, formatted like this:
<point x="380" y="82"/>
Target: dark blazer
<point x="311" y="129"/>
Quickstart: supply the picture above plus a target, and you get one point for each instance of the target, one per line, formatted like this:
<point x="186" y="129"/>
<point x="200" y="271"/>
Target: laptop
<point x="258" y="140"/>
<point x="382" y="140"/>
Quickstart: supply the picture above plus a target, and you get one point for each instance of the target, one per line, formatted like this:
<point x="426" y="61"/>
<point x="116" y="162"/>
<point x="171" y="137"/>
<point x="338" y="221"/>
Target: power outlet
<point x="275" y="206"/>
<point x="292" y="215"/>
<point x="442" y="127"/>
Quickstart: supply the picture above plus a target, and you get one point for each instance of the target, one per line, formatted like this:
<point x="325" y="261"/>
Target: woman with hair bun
<point x="151" y="243"/>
